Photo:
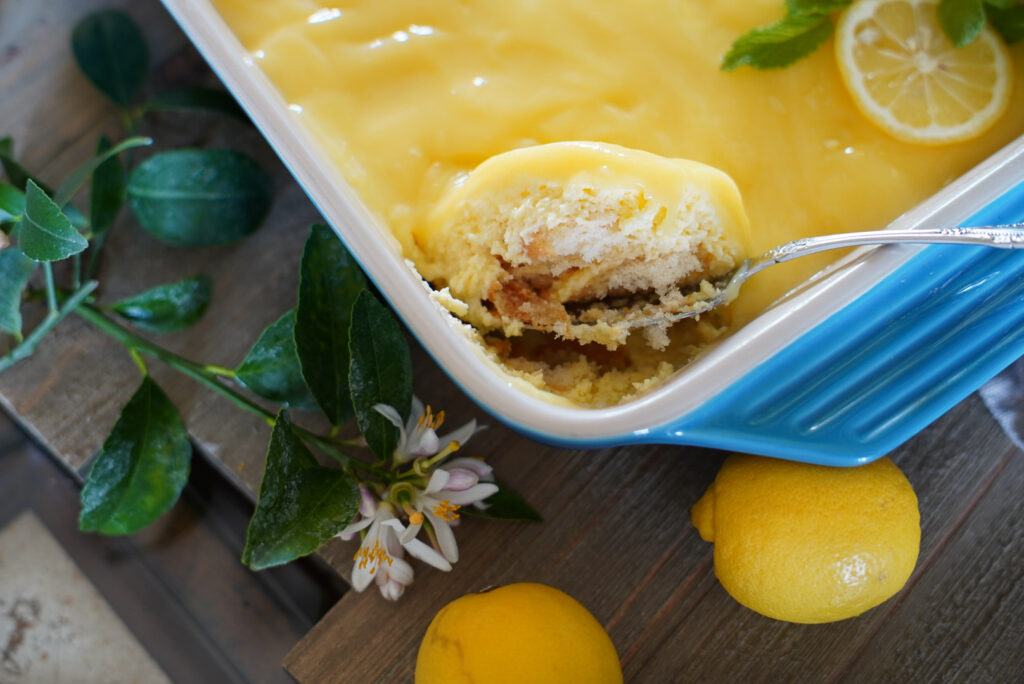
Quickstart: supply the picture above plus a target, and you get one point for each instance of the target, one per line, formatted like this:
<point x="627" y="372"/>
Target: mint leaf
<point x="15" y="271"/>
<point x="12" y="202"/>
<point x="167" y="308"/>
<point x="793" y="37"/>
<point x="196" y="98"/>
<point x="141" y="469"/>
<point x="504" y="504"/>
<point x="193" y="198"/>
<point x="107" y="192"/>
<point x="816" y="6"/>
<point x="329" y="282"/>
<point x="271" y="368"/>
<point x="301" y="504"/>
<point x="1007" y="19"/>
<point x="380" y="372"/>
<point x="961" y="20"/>
<point x="46" y="234"/>
<point x="111" y="51"/>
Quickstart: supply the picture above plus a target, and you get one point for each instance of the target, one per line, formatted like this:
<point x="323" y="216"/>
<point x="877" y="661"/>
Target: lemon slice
<point x="909" y="79"/>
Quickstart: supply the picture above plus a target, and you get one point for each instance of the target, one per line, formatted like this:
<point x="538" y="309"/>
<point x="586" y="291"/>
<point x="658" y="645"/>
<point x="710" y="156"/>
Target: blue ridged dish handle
<point x="895" y="359"/>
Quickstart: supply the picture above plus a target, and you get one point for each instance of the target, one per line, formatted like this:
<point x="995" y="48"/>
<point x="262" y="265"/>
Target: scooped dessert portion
<point x="560" y="237"/>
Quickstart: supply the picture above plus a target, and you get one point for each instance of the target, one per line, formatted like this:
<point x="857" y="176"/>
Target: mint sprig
<point x="808" y="23"/>
<point x="772" y="47"/>
<point x="805" y="27"/>
<point x="961" y="20"/>
<point x="1007" y="18"/>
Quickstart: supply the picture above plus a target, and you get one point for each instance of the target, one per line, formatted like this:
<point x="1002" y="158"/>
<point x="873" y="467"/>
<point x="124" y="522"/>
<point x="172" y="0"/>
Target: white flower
<point x="418" y="437"/>
<point x="452" y="486"/>
<point x="380" y="555"/>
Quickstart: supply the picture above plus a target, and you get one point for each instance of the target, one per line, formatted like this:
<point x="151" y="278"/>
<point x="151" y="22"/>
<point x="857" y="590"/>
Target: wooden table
<point x="617" y="534"/>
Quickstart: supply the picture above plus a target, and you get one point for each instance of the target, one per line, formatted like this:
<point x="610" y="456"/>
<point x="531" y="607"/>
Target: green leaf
<point x="46" y="233"/>
<point x="301" y="504"/>
<point x="329" y="282"/>
<point x="504" y="504"/>
<point x="167" y="308"/>
<point x="380" y="372"/>
<point x="961" y="20"/>
<point x="816" y="6"/>
<point x="141" y="469"/>
<point x="197" y="98"/>
<point x="1008" y="21"/>
<point x="74" y="181"/>
<point x="193" y="198"/>
<point x="107" y="192"/>
<point x="12" y="202"/>
<point x="15" y="271"/>
<point x="111" y="51"/>
<point x="271" y="368"/>
<point x="772" y="47"/>
<point x="19" y="178"/>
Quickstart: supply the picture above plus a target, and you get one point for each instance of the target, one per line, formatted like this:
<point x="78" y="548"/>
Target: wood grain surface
<point x="618" y="538"/>
<point x="616" y="535"/>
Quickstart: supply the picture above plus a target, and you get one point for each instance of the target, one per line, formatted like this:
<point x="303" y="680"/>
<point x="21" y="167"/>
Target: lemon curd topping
<point x="407" y="97"/>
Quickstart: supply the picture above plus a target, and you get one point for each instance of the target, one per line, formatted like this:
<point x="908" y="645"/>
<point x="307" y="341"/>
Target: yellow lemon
<point x="516" y="633"/>
<point x="909" y="79"/>
<point x="808" y="543"/>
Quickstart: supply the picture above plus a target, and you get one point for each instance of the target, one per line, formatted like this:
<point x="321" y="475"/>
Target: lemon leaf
<point x="301" y="503"/>
<point x="380" y="372"/>
<point x="771" y="47"/>
<point x="169" y="307"/>
<point x="141" y="469"/>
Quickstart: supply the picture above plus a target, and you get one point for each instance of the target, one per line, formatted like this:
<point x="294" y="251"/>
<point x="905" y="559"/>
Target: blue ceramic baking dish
<point x="840" y="372"/>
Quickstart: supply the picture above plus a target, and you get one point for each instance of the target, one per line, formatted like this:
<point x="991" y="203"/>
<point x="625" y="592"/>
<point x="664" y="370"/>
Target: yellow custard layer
<point x="408" y="95"/>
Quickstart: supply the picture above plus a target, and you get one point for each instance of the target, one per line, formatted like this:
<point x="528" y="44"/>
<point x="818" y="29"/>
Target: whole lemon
<point x="808" y="543"/>
<point x="516" y="633"/>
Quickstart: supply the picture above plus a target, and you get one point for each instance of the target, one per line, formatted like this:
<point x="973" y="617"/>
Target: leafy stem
<point x="51" y="291"/>
<point x="28" y="345"/>
<point x="208" y="376"/>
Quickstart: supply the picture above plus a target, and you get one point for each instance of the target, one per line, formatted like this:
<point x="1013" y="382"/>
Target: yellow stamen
<point x="428" y="420"/>
<point x="372" y="557"/>
<point x="416" y="518"/>
<point x="446" y="511"/>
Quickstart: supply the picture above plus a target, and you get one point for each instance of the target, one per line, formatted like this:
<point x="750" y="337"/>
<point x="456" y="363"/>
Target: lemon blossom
<point x="418" y="436"/>
<point x="451" y="486"/>
<point x="380" y="555"/>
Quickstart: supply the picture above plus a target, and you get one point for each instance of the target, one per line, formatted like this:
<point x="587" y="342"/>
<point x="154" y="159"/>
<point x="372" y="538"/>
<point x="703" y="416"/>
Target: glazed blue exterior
<point x="875" y="373"/>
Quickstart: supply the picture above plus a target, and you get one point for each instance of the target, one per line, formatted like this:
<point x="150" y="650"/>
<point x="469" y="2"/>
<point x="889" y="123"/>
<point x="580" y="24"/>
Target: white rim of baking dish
<point x="466" y="362"/>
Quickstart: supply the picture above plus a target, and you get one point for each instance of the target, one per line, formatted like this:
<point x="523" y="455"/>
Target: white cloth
<point x="1004" y="397"/>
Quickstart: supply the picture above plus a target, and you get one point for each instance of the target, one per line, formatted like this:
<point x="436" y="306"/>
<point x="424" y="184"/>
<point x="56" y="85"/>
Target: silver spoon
<point x="678" y="305"/>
